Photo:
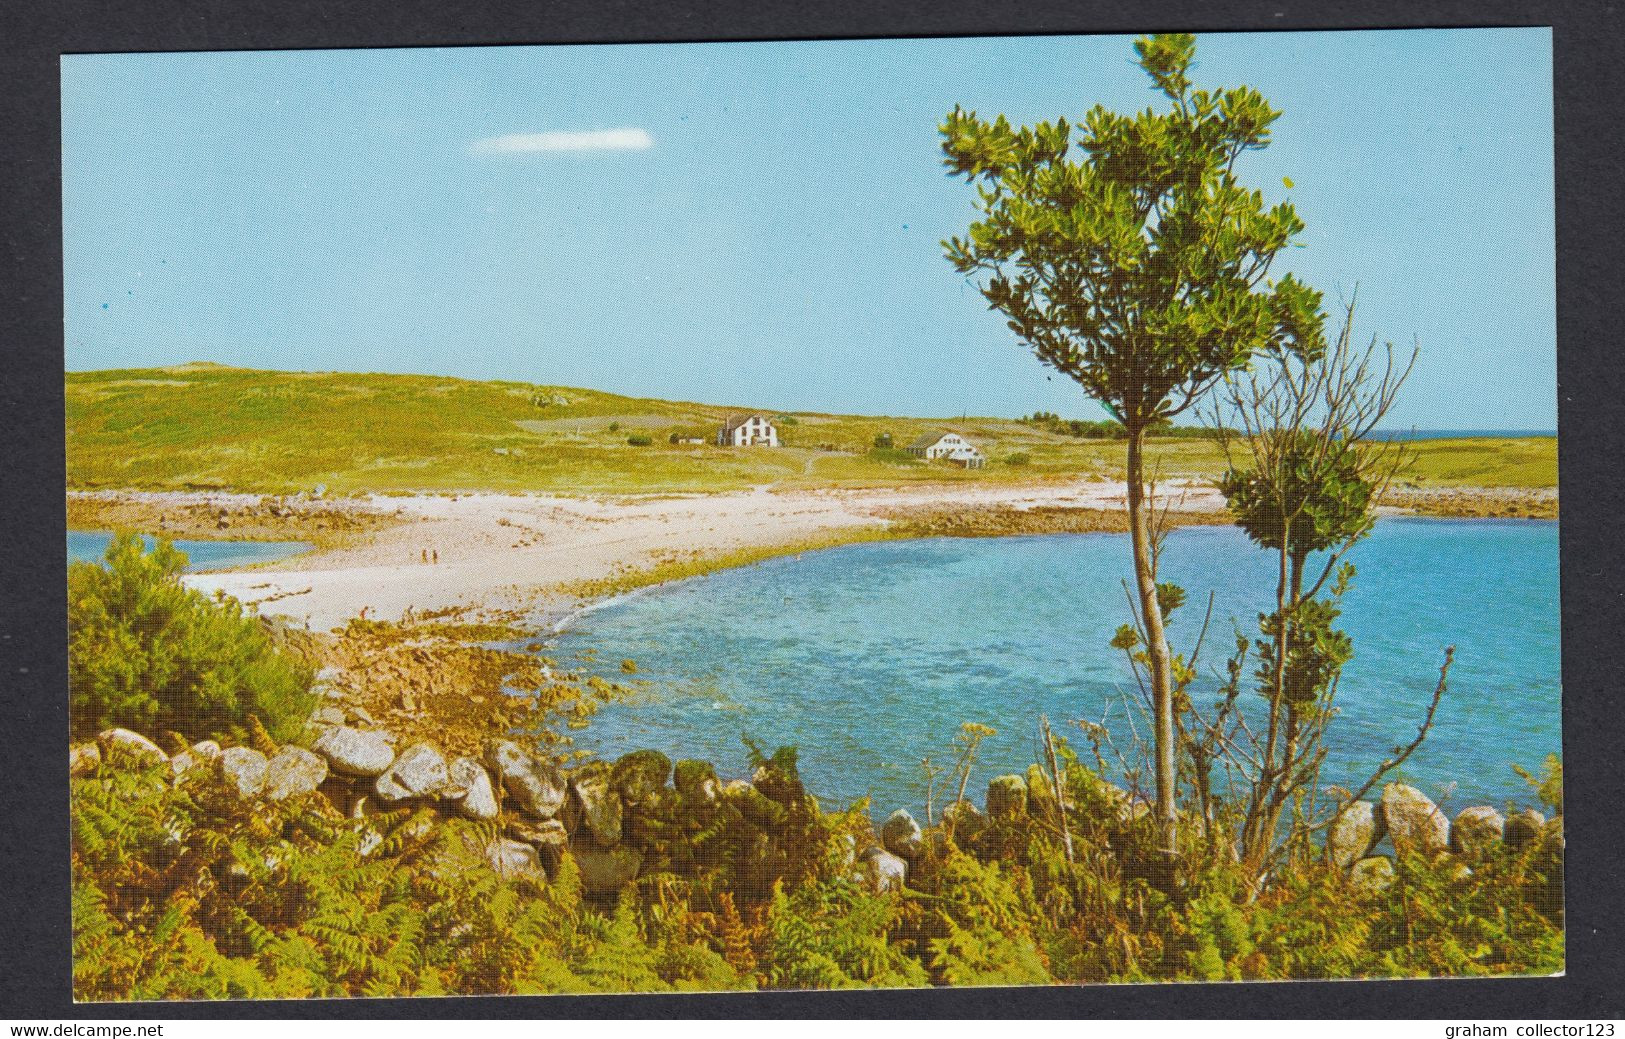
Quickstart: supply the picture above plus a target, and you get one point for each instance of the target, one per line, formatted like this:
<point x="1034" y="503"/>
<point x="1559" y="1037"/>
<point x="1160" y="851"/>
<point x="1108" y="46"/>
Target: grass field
<point x="203" y="426"/>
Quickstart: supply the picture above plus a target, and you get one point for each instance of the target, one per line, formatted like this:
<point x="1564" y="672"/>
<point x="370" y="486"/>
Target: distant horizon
<point x="762" y="221"/>
<point x="1401" y="430"/>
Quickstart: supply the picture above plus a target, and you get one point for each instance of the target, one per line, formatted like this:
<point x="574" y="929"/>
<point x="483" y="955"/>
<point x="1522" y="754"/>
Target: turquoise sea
<point x="201" y="555"/>
<point x="869" y="657"/>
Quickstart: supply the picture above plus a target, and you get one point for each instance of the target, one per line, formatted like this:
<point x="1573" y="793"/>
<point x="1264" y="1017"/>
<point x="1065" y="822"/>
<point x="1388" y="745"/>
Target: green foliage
<point x="639" y="440"/>
<point x="1548" y="786"/>
<point x="1315" y="498"/>
<point x="1137" y="269"/>
<point x="147" y="653"/>
<point x="1315" y="652"/>
<point x="188" y="891"/>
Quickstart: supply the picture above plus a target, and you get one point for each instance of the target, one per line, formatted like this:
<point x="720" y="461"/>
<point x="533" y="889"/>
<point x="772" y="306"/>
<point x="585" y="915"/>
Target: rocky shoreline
<point x="616" y="820"/>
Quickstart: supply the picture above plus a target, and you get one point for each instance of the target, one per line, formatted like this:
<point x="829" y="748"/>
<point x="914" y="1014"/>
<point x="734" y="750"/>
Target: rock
<point x="1372" y="874"/>
<point x="244" y="769"/>
<point x="548" y="837"/>
<point x="594" y="807"/>
<point x="329" y="715"/>
<point x="697" y="782"/>
<point x="1476" y="829"/>
<point x="779" y="780"/>
<point x="1006" y="796"/>
<point x="883" y="871"/>
<point x="757" y="808"/>
<point x="1353" y="835"/>
<point x="360" y="716"/>
<point x="420" y="771"/>
<point x="1413" y="821"/>
<point x="121" y="746"/>
<point x="512" y="858"/>
<point x="293" y="771"/>
<point x="202" y="753"/>
<point x="636" y="776"/>
<point x="1523" y="828"/>
<point x="84" y="759"/>
<point x="1040" y="792"/>
<point x="353" y="752"/>
<point x="475" y="797"/>
<point x="964" y="819"/>
<point x="900" y="835"/>
<point x="535" y="787"/>
<point x="606" y="871"/>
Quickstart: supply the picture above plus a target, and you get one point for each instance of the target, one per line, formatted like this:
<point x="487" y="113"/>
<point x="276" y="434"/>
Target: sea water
<point x="869" y="657"/>
<point x="201" y="555"/>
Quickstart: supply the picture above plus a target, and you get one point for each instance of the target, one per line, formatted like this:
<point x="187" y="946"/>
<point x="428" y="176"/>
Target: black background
<point x="34" y="932"/>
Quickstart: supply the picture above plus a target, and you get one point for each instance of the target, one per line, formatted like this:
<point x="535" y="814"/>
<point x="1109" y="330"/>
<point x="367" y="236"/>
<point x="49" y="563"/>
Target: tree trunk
<point x="1162" y="692"/>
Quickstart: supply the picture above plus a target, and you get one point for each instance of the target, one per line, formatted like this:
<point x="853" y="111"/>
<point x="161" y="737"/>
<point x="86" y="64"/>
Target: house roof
<point x="931" y="438"/>
<point x="735" y="421"/>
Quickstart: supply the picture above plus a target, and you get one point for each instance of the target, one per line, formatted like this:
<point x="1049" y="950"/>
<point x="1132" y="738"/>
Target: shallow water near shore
<point x="868" y="657"/>
<point x="201" y="555"/>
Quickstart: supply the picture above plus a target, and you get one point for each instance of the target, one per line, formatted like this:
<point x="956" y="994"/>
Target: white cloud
<point x="628" y="138"/>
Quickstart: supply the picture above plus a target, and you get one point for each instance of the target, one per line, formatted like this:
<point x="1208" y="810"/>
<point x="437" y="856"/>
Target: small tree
<point x="1303" y="482"/>
<point x="146" y="652"/>
<point x="1140" y="269"/>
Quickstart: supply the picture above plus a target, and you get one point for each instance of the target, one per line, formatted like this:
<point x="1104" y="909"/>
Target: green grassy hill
<point x="207" y="426"/>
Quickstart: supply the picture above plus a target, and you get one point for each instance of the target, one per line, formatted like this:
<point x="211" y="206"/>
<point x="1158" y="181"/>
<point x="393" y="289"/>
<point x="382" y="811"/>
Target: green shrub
<point x="639" y="440"/>
<point x="1020" y="458"/>
<point x="147" y="653"/>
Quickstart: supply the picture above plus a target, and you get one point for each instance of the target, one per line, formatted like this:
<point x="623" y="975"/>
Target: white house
<point x="950" y="446"/>
<point x="747" y="431"/>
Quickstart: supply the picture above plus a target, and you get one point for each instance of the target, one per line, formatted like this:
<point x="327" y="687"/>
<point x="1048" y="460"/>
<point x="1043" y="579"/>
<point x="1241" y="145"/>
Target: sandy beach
<point x="506" y="553"/>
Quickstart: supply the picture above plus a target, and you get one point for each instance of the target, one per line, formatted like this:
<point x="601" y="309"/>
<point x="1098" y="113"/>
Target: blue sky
<point x="758" y="224"/>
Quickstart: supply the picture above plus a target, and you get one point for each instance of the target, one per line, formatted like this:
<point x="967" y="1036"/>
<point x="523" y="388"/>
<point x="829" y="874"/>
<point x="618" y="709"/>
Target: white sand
<point x="513" y="552"/>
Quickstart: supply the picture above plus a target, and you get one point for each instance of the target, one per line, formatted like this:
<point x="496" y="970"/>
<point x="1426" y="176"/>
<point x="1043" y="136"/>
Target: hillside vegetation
<point x="205" y="426"/>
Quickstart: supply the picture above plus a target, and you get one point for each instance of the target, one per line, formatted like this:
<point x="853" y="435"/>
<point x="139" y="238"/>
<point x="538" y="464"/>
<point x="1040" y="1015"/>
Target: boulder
<point x="548" y="837"/>
<point x="420" y="771"/>
<point x="1476" y="829"/>
<point x="1040" y="792"/>
<point x="636" y="776"/>
<point x="1006" y="796"/>
<point x="1372" y="874"/>
<point x="84" y="759"/>
<point x="697" y="782"/>
<point x="1353" y="835"/>
<point x="535" y="787"/>
<point x="200" y="754"/>
<point x="757" y="808"/>
<point x="605" y="871"/>
<point x="1413" y="821"/>
<point x="353" y="752"/>
<point x="883" y="871"/>
<point x="121" y="746"/>
<point x="471" y="789"/>
<point x="1523" y="828"/>
<point x="244" y="769"/>
<point x="293" y="771"/>
<point x="329" y="715"/>
<point x="964" y="819"/>
<point x="779" y="780"/>
<point x="900" y="835"/>
<point x="512" y="858"/>
<point x="594" y="807"/>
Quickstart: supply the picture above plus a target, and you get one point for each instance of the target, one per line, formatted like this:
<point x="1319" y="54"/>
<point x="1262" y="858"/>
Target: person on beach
<point x="425" y="554"/>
